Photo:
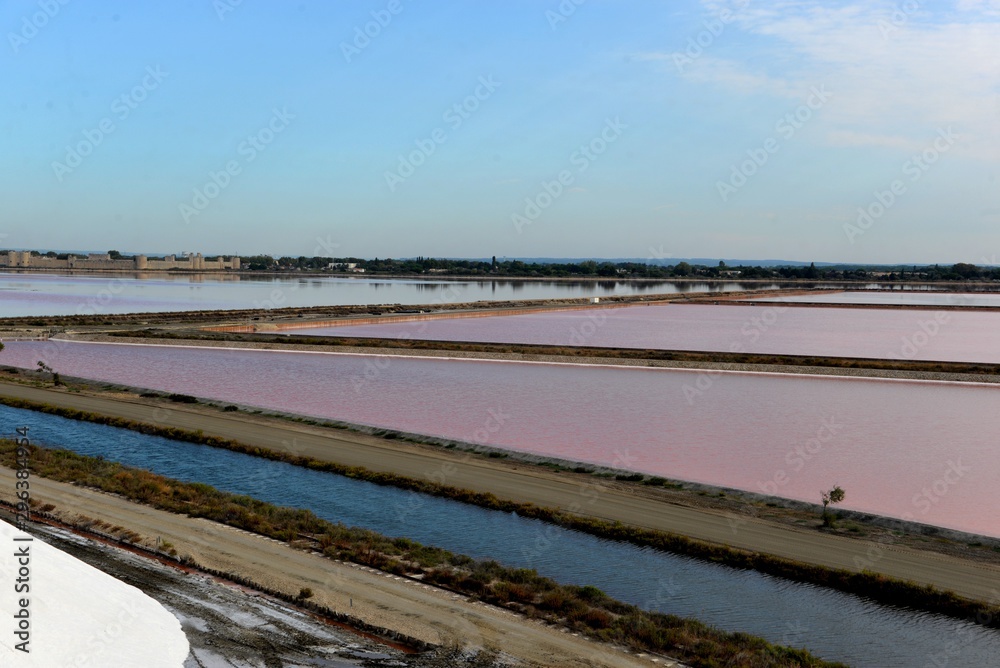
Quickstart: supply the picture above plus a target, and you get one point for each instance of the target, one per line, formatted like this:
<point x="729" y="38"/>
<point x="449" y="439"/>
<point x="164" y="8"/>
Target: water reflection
<point x="28" y="294"/>
<point x="94" y="294"/>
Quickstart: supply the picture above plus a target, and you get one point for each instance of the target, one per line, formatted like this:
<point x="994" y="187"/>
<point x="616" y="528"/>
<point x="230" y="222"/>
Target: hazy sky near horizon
<point x="863" y="131"/>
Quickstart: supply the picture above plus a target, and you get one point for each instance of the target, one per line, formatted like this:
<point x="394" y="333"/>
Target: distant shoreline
<point x="973" y="286"/>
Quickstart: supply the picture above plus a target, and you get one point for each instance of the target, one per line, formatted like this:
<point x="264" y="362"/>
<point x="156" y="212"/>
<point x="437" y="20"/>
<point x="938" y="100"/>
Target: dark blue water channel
<point x="833" y="625"/>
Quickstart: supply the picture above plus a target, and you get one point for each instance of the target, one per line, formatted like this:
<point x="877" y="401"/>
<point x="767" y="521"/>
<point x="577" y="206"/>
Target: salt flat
<point x="77" y="615"/>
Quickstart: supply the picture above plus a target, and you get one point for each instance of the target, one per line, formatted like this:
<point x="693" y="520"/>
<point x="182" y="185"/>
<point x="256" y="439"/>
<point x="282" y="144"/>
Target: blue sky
<point x="827" y="131"/>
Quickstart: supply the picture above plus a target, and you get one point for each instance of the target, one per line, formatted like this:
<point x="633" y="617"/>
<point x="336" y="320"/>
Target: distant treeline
<point x="620" y="270"/>
<point x="610" y="270"/>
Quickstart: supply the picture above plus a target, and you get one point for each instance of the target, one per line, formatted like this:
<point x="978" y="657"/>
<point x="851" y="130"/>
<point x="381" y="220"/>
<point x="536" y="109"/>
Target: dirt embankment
<point x="970" y="372"/>
<point x="404" y="605"/>
<point x="737" y="523"/>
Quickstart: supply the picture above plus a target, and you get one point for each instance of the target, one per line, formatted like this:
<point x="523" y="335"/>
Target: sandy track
<point x="529" y="483"/>
<point x="418" y="610"/>
<point x="225" y="626"/>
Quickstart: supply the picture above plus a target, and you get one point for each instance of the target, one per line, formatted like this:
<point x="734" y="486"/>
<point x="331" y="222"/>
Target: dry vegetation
<point x="585" y="610"/>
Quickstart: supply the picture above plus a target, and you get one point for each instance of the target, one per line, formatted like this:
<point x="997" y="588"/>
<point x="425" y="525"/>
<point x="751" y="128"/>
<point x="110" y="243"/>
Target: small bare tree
<point x="42" y="366"/>
<point x="835" y="495"/>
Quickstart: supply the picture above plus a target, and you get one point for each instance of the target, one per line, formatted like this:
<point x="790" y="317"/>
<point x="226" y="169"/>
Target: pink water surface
<point x="889" y="444"/>
<point x="953" y="336"/>
<point x="881" y="298"/>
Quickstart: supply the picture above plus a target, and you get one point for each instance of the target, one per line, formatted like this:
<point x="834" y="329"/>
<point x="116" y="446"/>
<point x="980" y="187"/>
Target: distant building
<point x="351" y="267"/>
<point x="195" y="262"/>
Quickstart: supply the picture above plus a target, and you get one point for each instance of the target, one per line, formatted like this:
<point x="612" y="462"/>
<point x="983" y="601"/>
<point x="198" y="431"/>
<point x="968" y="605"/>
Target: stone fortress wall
<point x="195" y="262"/>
